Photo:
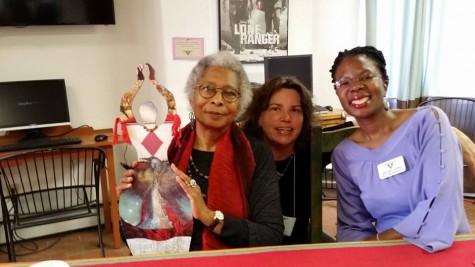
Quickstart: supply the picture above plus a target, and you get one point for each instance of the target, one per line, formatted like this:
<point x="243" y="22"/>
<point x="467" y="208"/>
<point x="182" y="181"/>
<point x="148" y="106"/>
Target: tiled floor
<point x="83" y="243"/>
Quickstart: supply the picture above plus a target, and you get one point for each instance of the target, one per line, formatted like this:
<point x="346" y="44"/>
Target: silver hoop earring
<point x="191" y="116"/>
<point x="386" y="104"/>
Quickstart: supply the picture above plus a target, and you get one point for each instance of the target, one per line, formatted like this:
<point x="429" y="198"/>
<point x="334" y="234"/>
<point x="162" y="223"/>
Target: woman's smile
<point x="361" y="102"/>
<point x="284" y="130"/>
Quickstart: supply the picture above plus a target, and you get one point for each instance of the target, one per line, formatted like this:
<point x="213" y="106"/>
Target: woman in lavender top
<point x="400" y="175"/>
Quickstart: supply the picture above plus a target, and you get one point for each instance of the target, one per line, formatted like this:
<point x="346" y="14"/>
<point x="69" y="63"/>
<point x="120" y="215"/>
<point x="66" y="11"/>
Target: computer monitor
<point x="32" y="105"/>
<point x="22" y="13"/>
<point x="298" y="66"/>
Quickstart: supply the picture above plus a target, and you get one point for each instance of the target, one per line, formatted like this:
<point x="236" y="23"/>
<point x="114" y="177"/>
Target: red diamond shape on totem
<point x="152" y="143"/>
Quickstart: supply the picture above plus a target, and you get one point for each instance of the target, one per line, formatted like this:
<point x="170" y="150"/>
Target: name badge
<point x="289" y="223"/>
<point x="391" y="167"/>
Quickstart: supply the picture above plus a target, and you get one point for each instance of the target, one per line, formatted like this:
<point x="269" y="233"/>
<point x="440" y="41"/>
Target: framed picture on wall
<point x="253" y="29"/>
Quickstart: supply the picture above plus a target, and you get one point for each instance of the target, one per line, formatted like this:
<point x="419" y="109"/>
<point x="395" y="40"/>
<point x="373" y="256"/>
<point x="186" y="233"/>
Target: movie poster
<point x="253" y="29"/>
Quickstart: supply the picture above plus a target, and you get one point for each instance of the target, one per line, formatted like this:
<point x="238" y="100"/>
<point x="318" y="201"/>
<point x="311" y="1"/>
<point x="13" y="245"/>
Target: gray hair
<point x="225" y="60"/>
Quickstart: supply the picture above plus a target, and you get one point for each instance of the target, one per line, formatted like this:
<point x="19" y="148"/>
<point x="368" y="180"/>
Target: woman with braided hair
<point x="400" y="174"/>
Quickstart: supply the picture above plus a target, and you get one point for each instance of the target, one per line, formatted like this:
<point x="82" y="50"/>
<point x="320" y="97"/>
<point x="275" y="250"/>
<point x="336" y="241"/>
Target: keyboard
<point x="40" y="142"/>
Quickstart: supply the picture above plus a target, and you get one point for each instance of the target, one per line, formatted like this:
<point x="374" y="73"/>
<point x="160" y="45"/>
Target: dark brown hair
<point x="260" y="102"/>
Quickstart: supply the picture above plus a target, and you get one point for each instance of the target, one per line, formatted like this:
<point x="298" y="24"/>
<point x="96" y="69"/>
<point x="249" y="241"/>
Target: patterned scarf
<point x="230" y="176"/>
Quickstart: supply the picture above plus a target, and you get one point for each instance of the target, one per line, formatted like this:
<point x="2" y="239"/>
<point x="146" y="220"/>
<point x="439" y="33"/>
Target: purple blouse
<point x="424" y="203"/>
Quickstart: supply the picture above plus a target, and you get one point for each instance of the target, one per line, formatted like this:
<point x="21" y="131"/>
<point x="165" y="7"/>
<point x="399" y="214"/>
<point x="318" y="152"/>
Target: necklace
<point x="150" y="129"/>
<point x="197" y="170"/>
<point x="203" y="186"/>
<point x="280" y="174"/>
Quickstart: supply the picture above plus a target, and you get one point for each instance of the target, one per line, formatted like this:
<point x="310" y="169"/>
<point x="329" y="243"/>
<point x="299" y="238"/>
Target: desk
<point x="371" y="253"/>
<point x="109" y="196"/>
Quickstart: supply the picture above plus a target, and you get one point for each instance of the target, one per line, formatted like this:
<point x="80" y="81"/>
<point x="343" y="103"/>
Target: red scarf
<point x="230" y="176"/>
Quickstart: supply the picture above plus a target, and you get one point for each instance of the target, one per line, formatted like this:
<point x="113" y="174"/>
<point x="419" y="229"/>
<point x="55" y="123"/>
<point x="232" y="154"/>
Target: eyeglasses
<point x="208" y="90"/>
<point x="345" y="83"/>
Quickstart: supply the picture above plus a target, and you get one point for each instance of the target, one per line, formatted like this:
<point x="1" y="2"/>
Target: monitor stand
<point x="33" y="134"/>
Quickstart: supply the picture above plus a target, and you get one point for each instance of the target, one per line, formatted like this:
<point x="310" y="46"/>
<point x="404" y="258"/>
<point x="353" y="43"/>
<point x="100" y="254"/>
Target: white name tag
<point x="289" y="223"/>
<point x="391" y="167"/>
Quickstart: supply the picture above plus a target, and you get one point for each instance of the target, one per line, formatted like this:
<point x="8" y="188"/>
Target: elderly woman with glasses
<point x="230" y="180"/>
<point x="400" y="175"/>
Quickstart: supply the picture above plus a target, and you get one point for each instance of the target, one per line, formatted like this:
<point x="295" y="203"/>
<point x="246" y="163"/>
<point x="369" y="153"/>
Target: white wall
<point x="337" y="25"/>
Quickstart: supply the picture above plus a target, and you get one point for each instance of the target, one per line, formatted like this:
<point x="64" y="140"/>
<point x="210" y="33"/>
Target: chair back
<point x="49" y="185"/>
<point x="322" y="144"/>
<point x="330" y="139"/>
<point x="460" y="111"/>
<point x="461" y="114"/>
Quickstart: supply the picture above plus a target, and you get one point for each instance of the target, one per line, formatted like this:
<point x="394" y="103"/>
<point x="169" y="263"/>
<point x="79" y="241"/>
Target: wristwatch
<point x="218" y="217"/>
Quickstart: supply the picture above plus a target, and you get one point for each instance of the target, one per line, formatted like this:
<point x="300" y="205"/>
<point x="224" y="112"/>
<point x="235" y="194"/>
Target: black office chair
<point x="49" y="185"/>
<point x="461" y="114"/>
